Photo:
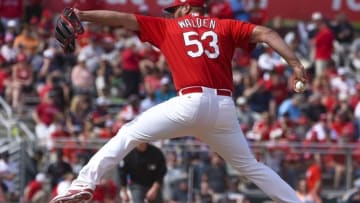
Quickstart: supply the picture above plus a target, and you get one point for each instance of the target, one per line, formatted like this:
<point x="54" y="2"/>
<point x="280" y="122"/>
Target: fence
<point x="20" y="149"/>
<point x="260" y="148"/>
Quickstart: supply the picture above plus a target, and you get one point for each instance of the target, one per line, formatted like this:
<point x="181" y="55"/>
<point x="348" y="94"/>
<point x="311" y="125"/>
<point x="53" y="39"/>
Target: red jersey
<point x="198" y="49"/>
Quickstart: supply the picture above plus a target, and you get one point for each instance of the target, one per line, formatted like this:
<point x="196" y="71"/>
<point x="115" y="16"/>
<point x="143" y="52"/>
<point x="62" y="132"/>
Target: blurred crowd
<point x="112" y="77"/>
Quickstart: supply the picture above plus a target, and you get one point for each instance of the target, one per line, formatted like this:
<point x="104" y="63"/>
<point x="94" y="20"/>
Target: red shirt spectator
<point x="261" y="128"/>
<point x="46" y="112"/>
<point x="329" y="100"/>
<point x="221" y="9"/>
<point x="130" y="58"/>
<point x="324" y="44"/>
<point x="278" y="88"/>
<point x="313" y="177"/>
<point x="343" y="126"/>
<point x="34" y="187"/>
<point x="258" y="15"/>
<point x="44" y="90"/>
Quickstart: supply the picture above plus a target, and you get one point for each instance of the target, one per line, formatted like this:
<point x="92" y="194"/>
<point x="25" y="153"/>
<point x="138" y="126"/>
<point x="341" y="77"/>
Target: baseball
<point x="299" y="86"/>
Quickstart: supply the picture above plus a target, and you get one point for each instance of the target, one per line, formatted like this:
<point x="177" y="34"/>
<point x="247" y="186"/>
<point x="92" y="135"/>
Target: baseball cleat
<point x="74" y="196"/>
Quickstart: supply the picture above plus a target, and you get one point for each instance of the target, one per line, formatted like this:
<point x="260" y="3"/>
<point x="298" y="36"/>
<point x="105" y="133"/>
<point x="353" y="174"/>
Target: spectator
<point x="8" y="172"/>
<point x="257" y="94"/>
<point x="261" y="129"/>
<point x="130" y="110"/>
<point x="239" y="10"/>
<point x="246" y="116"/>
<point x="60" y="132"/>
<point x="234" y="195"/>
<point x="292" y="38"/>
<point x="322" y="43"/>
<point x="12" y="27"/>
<point x="344" y="34"/>
<point x="152" y="79"/>
<point x="175" y="172"/>
<point x="355" y="54"/>
<point x="27" y="41"/>
<point x="146" y="167"/>
<point x="355" y="98"/>
<point x="21" y="82"/>
<point x="342" y="82"/>
<point x="313" y="177"/>
<point x="32" y="8"/>
<point x="92" y="53"/>
<point x="149" y="58"/>
<point x="77" y="113"/>
<point x="321" y="131"/>
<point x="148" y="102"/>
<point x="269" y="61"/>
<point x="292" y="107"/>
<point x="101" y="115"/>
<point x="33" y="164"/>
<point x="52" y="64"/>
<point x="5" y="76"/>
<point x="111" y="54"/>
<point x="303" y="193"/>
<point x="58" y="169"/>
<point x="165" y="92"/>
<point x="258" y="15"/>
<point x="35" y="191"/>
<point x="314" y="108"/>
<point x="130" y="68"/>
<point x="352" y="195"/>
<point x="82" y="79"/>
<point x="180" y="193"/>
<point x="44" y="115"/>
<point x="220" y="9"/>
<point x="8" y="50"/>
<point x="63" y="184"/>
<point x="343" y="125"/>
<point x="101" y="81"/>
<point x="45" y="89"/>
<point x="292" y="167"/>
<point x="217" y="176"/>
<point x="46" y="25"/>
<point x="205" y="194"/>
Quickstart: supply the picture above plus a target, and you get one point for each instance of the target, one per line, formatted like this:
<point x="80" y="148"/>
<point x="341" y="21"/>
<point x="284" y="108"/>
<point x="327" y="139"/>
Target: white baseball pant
<point x="209" y="117"/>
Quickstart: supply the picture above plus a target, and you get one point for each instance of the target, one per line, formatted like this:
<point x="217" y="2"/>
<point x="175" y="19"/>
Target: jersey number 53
<point x="212" y="54"/>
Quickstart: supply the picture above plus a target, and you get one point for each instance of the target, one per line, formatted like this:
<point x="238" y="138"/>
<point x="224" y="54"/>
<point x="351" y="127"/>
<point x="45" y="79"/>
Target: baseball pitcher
<point x="199" y="50"/>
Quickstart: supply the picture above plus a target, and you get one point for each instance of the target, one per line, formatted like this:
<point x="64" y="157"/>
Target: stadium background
<point x="120" y="78"/>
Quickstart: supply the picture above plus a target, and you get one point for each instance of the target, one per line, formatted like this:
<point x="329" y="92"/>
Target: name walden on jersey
<point x="197" y="23"/>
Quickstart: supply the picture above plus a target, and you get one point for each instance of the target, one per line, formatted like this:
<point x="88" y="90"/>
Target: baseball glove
<point x="68" y="27"/>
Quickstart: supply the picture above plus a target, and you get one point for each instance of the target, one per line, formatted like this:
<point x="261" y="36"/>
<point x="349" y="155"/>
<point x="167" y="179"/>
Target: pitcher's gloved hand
<point x="68" y="27"/>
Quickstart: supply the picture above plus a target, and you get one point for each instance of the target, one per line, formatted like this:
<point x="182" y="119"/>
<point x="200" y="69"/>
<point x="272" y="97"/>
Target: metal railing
<point x="6" y="108"/>
<point x="348" y="150"/>
<point x="15" y="138"/>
